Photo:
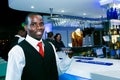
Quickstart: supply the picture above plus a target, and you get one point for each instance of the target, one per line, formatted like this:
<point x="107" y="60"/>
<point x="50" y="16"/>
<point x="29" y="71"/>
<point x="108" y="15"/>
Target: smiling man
<point x="25" y="61"/>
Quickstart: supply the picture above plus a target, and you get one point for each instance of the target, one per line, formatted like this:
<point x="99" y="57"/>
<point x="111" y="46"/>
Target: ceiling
<point x="84" y="8"/>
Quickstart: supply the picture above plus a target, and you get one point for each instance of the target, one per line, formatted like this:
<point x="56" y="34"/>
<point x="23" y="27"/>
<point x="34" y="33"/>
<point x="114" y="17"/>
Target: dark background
<point x="8" y="16"/>
<point x="10" y="19"/>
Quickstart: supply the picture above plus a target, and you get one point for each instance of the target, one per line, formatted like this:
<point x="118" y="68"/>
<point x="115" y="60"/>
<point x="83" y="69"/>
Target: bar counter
<point x="86" y="68"/>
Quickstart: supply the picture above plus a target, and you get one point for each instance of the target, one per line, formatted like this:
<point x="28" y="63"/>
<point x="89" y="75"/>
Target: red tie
<point x="40" y="49"/>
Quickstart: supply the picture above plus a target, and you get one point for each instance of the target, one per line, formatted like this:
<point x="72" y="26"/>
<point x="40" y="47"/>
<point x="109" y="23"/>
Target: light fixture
<point x="32" y="7"/>
<point x="110" y="3"/>
<point x="71" y="21"/>
<point x="62" y="11"/>
<point x="84" y="14"/>
<point x="51" y="12"/>
<point x="112" y="8"/>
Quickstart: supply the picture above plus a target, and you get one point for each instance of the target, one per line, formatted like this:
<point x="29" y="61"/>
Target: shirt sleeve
<point x="16" y="62"/>
<point x="64" y="64"/>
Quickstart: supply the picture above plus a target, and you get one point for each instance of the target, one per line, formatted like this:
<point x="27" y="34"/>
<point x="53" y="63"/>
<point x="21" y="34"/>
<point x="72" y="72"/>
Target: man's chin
<point x="38" y="37"/>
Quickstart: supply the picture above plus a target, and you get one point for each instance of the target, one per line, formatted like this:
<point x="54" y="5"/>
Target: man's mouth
<point x="39" y="33"/>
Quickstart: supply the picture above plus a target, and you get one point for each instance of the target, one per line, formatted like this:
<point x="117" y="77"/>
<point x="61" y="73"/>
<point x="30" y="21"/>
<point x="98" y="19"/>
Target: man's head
<point x="34" y="26"/>
<point x="50" y="35"/>
<point x="21" y="31"/>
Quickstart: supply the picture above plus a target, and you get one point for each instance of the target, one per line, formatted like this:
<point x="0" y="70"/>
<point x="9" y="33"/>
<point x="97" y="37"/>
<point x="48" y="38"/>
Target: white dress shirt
<point x="16" y="61"/>
<point x="20" y="38"/>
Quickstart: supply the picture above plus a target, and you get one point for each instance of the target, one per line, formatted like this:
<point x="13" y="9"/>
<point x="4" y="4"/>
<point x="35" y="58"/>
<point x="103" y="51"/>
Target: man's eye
<point x="33" y="24"/>
<point x="41" y="24"/>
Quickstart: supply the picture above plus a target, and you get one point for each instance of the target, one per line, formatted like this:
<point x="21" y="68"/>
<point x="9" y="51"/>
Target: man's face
<point x="35" y="27"/>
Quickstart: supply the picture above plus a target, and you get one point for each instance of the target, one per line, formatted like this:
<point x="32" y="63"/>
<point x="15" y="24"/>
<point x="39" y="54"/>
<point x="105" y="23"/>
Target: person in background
<point x="26" y="63"/>
<point x="20" y="36"/>
<point x="50" y="37"/>
<point x="58" y="42"/>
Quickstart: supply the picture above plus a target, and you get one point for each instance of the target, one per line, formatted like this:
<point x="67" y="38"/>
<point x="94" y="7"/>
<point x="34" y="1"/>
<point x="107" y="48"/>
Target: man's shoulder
<point x="23" y="42"/>
<point x="15" y="38"/>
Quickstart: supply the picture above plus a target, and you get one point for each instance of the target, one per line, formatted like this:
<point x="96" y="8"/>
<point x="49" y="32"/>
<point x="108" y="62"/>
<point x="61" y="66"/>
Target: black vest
<point x="14" y="42"/>
<point x="37" y="67"/>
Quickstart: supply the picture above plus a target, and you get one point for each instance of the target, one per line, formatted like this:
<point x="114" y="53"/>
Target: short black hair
<point x="30" y="14"/>
<point x="18" y="28"/>
<point x="50" y="34"/>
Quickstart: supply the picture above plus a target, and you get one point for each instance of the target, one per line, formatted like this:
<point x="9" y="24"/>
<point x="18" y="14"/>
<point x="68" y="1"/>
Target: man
<point x="50" y="37"/>
<point x="20" y="36"/>
<point x="26" y="63"/>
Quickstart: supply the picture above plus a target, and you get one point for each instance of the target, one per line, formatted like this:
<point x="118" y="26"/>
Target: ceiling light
<point x="84" y="13"/>
<point x="32" y="7"/>
<point x="62" y="11"/>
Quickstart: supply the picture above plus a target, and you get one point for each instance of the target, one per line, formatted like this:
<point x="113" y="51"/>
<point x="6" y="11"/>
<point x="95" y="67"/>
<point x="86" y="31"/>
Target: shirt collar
<point x="17" y="36"/>
<point x="33" y="41"/>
